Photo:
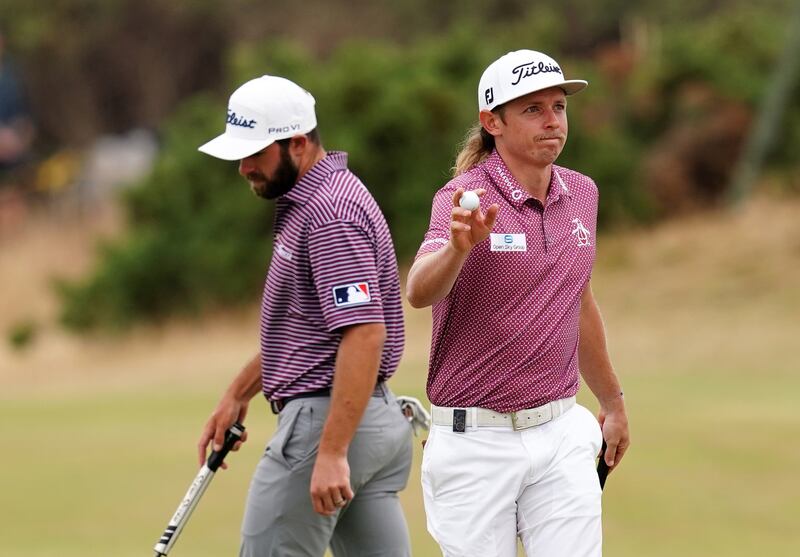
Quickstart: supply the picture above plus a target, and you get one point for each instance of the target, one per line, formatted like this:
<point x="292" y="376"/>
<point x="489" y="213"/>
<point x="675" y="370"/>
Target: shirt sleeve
<point x="438" y="233"/>
<point x="345" y="274"/>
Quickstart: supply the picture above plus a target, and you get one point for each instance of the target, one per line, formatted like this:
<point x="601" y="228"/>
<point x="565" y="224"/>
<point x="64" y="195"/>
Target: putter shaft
<point x="195" y="492"/>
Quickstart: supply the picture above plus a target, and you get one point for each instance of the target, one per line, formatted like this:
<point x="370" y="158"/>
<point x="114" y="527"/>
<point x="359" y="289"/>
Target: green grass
<point x="102" y="475"/>
<point x="712" y="471"/>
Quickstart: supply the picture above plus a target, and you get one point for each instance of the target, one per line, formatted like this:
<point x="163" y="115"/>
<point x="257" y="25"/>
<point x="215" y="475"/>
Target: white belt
<point x="521" y="419"/>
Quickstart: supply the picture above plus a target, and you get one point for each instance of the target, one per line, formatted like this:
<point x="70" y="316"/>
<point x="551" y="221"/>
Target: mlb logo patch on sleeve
<point x="351" y="294"/>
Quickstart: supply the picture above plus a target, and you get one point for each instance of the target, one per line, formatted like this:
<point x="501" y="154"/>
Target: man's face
<point x="534" y="127"/>
<point x="271" y="172"/>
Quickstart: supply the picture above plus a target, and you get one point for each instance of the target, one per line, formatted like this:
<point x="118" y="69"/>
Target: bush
<point x="22" y="334"/>
<point x="197" y="238"/>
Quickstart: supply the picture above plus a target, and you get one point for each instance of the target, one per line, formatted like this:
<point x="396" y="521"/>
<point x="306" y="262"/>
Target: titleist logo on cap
<point x="532" y="68"/>
<point x="235" y="120"/>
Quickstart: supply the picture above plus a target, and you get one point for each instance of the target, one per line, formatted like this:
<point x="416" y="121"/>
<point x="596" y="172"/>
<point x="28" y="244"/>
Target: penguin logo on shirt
<point x="582" y="233"/>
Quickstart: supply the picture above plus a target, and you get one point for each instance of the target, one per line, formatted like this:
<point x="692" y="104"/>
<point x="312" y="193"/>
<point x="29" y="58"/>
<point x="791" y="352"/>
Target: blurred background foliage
<point x="675" y="88"/>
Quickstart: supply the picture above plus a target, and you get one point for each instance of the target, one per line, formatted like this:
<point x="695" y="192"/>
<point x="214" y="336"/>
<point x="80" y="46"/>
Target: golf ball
<point x="469" y="201"/>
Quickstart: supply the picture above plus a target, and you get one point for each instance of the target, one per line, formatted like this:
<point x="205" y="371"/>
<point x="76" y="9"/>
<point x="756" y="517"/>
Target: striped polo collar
<point x="316" y="176"/>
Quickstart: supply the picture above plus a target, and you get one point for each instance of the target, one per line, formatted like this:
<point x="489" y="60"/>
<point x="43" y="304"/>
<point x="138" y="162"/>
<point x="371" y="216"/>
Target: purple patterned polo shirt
<point x="333" y="265"/>
<point x="506" y="336"/>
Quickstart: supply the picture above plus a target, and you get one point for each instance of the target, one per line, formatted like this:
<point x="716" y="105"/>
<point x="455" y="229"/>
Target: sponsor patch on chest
<point x="508" y="242"/>
<point x="282" y="251"/>
<point x="351" y="294"/>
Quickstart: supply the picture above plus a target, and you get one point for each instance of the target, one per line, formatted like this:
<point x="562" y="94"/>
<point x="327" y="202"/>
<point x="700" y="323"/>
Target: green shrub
<point x="22" y="334"/>
<point x="199" y="239"/>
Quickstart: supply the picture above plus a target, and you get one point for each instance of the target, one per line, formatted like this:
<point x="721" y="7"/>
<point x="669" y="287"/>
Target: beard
<point x="283" y="180"/>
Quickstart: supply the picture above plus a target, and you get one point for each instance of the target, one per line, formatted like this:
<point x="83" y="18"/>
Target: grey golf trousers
<point x="279" y="520"/>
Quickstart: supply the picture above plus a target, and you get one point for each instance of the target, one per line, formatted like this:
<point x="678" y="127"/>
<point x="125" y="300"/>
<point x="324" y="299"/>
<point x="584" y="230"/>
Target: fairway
<point x="702" y="317"/>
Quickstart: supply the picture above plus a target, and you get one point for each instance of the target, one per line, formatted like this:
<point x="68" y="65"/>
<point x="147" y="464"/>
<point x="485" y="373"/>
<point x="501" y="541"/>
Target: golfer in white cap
<point x="511" y="455"/>
<point x="331" y="335"/>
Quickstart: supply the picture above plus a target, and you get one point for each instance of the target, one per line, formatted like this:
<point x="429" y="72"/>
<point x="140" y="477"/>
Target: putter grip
<point x="232" y="436"/>
<point x="602" y="467"/>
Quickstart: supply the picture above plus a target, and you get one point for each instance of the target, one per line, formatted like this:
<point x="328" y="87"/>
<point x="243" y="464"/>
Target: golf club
<point x="196" y="490"/>
<point x="602" y="467"/>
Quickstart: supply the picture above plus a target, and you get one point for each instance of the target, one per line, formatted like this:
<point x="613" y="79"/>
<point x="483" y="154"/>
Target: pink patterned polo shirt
<point x="506" y="337"/>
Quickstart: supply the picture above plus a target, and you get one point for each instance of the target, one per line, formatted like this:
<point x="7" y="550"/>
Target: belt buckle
<point x="515" y="425"/>
<point x="541" y="418"/>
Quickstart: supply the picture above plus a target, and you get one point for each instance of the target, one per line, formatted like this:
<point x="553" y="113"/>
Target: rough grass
<point x="702" y="318"/>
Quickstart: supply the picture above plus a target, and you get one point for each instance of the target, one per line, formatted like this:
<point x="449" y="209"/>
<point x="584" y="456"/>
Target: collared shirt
<point x="506" y="336"/>
<point x="333" y="265"/>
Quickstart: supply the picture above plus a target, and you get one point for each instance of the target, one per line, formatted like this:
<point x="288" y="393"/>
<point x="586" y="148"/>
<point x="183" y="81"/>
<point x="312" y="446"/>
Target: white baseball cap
<point x="521" y="72"/>
<point x="260" y="112"/>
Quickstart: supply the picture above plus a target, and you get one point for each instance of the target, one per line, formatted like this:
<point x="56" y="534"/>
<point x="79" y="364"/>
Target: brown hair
<point x="313" y="137"/>
<point x="477" y="145"/>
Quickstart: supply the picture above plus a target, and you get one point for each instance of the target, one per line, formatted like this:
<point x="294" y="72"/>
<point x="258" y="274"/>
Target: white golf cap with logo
<point x="260" y="112"/>
<point x="519" y="73"/>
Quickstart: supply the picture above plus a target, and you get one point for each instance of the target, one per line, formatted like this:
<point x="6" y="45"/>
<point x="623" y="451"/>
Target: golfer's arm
<point x="231" y="407"/>
<point x="247" y="383"/>
<point x="354" y="380"/>
<point x="432" y="276"/>
<point x="595" y="362"/>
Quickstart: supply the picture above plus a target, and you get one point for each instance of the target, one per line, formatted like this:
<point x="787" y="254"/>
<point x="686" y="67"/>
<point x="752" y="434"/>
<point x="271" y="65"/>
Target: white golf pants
<point x="489" y="485"/>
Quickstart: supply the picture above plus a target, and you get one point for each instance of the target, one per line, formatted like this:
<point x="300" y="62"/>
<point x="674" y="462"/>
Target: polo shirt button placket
<point x="547" y="238"/>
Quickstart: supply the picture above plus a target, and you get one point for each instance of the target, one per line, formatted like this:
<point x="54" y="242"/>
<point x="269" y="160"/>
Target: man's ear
<point x="490" y="122"/>
<point x="298" y="145"/>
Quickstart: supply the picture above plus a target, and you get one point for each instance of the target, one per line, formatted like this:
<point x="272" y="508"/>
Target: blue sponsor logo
<point x="351" y="294"/>
<point x="284" y="129"/>
<point x="508" y="239"/>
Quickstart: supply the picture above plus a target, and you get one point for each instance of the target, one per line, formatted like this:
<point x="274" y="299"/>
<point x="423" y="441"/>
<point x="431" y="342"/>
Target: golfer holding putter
<point x="510" y="453"/>
<point x="331" y="336"/>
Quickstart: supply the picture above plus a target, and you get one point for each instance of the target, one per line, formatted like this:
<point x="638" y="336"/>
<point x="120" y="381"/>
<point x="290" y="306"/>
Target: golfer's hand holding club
<point x="614" y="424"/>
<point x="230" y="410"/>
<point x="616" y="445"/>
